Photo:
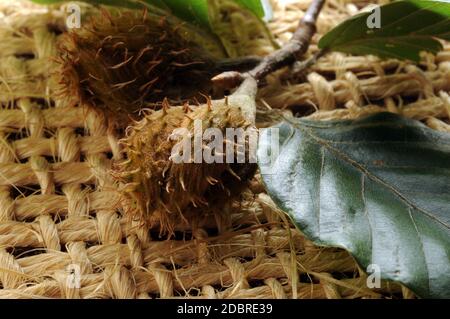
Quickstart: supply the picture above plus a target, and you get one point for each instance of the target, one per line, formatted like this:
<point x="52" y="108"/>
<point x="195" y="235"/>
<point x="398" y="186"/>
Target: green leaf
<point x="378" y="187"/>
<point x="253" y="5"/>
<point x="261" y="8"/>
<point x="406" y="29"/>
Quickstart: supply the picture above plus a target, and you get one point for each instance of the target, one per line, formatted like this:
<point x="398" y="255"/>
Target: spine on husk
<point x="123" y="61"/>
<point x="161" y="190"/>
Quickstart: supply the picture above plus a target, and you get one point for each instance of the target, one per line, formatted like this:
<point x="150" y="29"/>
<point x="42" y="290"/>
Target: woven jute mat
<point x="60" y="215"/>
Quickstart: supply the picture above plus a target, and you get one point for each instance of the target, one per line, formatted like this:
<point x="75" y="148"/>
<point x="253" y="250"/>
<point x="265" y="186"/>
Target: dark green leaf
<point x="378" y="187"/>
<point x="407" y="28"/>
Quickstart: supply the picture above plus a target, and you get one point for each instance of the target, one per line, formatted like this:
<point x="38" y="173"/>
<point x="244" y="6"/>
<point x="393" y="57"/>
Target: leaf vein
<point x="366" y="213"/>
<point x="421" y="245"/>
<point x="322" y="164"/>
<point x="369" y="174"/>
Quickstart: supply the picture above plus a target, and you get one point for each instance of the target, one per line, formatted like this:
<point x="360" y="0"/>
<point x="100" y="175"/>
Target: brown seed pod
<point x="191" y="177"/>
<point x="123" y="60"/>
<point x="146" y="147"/>
<point x="162" y="188"/>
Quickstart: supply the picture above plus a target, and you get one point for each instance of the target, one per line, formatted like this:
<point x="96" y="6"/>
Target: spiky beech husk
<point x="192" y="179"/>
<point x="164" y="190"/>
<point x="146" y="147"/>
<point x="123" y="60"/>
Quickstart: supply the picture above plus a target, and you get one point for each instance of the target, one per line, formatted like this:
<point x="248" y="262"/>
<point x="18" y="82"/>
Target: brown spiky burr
<point x="123" y="61"/>
<point x="163" y="189"/>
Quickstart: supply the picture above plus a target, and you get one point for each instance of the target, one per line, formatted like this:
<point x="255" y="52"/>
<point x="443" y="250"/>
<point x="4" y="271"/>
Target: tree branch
<point x="287" y="55"/>
<point x="301" y="66"/>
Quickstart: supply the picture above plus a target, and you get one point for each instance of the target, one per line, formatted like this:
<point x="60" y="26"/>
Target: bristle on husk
<point x="121" y="62"/>
<point x="165" y="190"/>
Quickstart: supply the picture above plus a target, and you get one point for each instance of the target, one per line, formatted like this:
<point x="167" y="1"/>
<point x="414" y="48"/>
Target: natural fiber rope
<point x="59" y="206"/>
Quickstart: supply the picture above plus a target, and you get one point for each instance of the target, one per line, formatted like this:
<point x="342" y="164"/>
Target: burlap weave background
<point x="59" y="206"/>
